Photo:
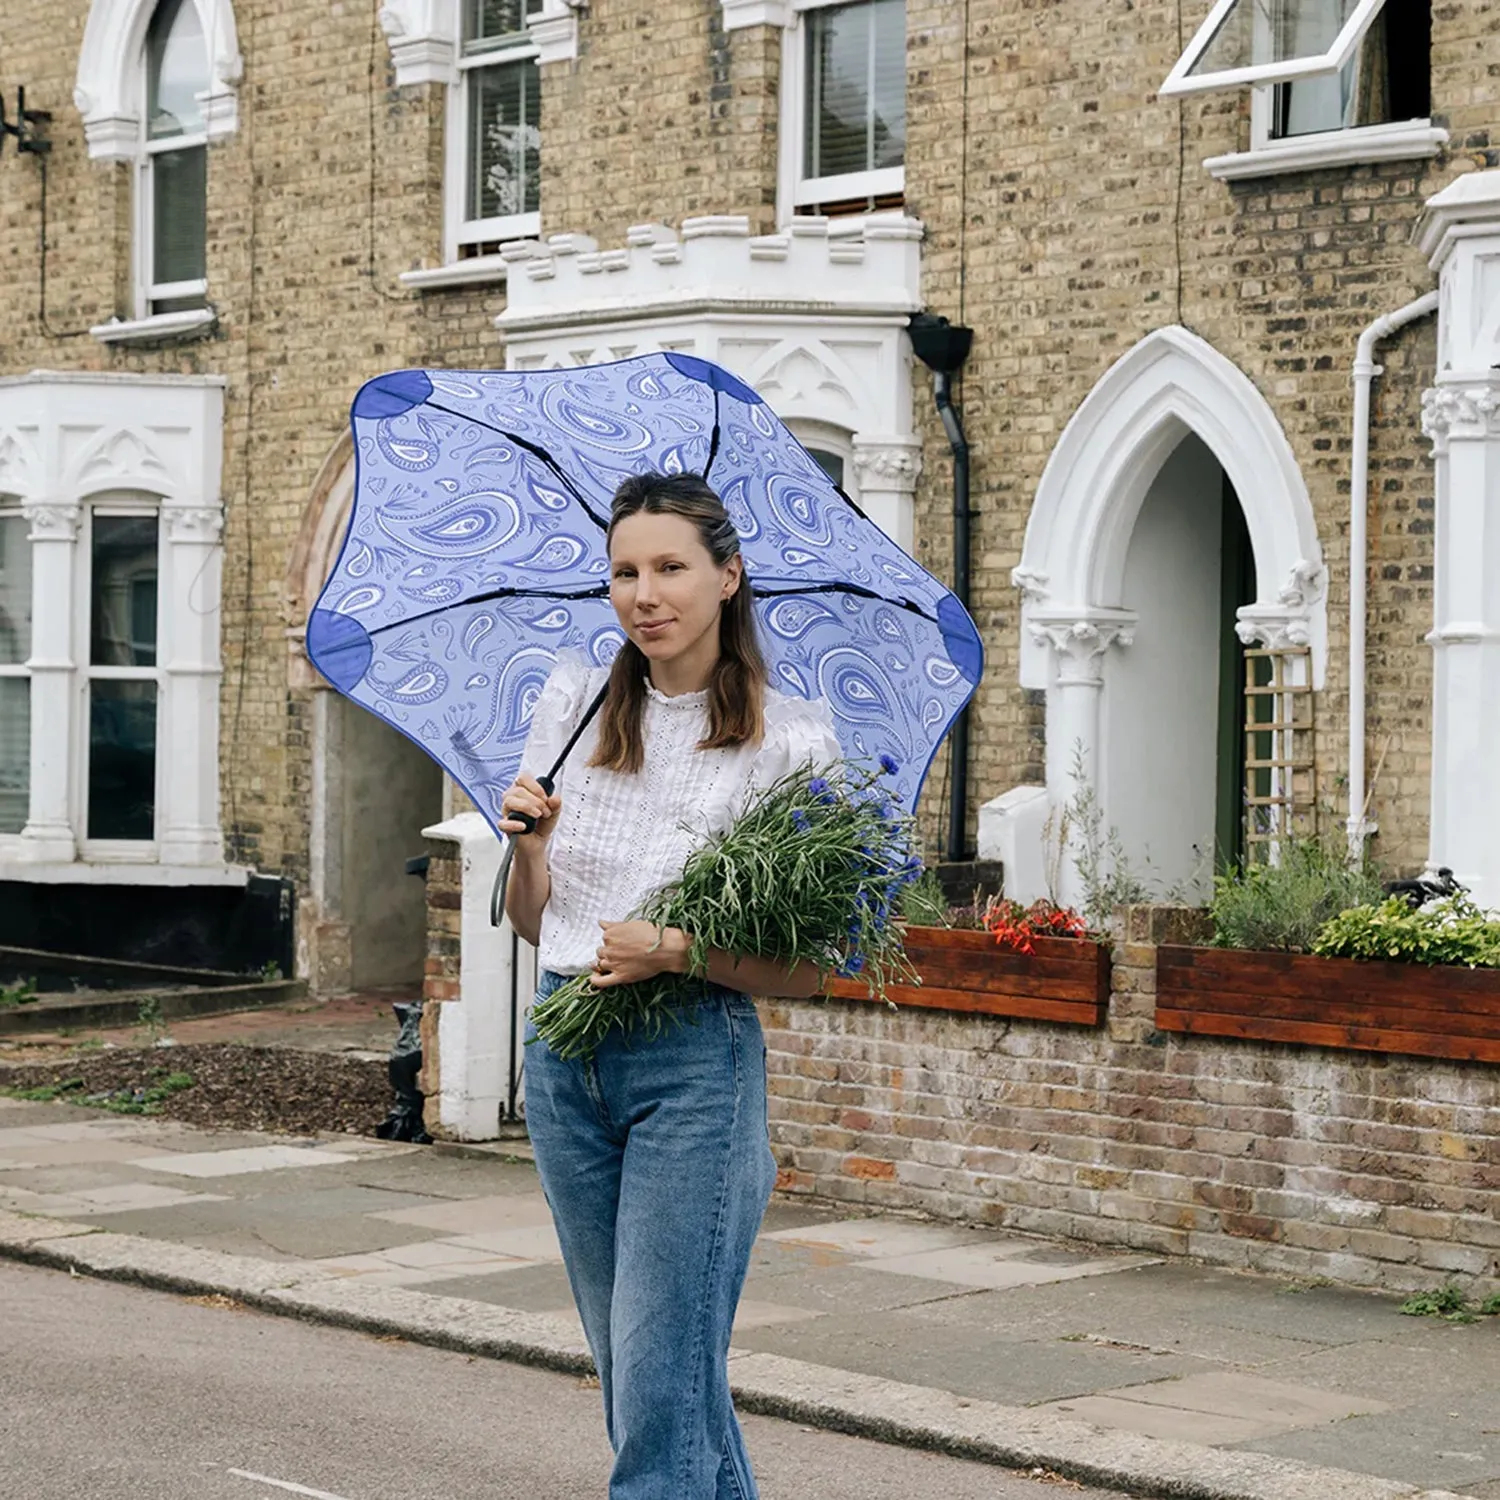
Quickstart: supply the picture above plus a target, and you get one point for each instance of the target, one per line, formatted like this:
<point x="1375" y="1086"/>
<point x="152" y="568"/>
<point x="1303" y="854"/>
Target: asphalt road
<point x="109" y="1391"/>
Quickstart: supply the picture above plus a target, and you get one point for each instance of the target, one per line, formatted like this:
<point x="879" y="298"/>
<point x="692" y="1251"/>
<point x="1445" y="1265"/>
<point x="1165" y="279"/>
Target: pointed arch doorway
<point x="1171" y="529"/>
<point x="362" y="922"/>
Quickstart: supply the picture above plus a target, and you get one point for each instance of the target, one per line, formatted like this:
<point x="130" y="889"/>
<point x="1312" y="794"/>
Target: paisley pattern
<point x="475" y="553"/>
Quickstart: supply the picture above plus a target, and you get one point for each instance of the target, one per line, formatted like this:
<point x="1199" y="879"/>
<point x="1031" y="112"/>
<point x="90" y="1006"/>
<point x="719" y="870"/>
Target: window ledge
<point x="119" y="872"/>
<point x="158" y="326"/>
<point x="478" y="270"/>
<point x="1335" y="148"/>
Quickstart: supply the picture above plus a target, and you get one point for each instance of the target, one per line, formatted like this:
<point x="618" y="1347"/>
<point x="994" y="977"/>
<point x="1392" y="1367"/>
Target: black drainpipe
<point x="943" y="347"/>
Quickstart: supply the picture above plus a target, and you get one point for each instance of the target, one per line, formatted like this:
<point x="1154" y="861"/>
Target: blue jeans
<point x="656" y="1162"/>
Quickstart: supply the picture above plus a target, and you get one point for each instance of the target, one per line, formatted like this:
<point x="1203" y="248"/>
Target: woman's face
<point x="666" y="588"/>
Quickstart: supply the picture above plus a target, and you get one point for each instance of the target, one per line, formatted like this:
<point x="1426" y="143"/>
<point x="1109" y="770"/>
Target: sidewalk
<point x="1157" y="1377"/>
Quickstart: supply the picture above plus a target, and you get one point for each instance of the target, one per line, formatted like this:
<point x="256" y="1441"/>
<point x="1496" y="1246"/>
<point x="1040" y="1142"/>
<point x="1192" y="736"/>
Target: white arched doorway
<point x="1171" y="517"/>
<point x="362" y="922"/>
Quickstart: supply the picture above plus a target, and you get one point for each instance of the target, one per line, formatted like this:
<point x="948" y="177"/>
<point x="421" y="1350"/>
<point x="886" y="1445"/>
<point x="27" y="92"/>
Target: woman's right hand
<point x="525" y="795"/>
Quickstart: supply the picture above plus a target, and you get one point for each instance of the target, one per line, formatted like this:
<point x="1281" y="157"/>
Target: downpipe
<point x="1358" y="827"/>
<point x="958" y="812"/>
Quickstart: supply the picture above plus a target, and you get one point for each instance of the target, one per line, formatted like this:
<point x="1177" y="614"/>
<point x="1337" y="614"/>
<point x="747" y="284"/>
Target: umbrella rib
<point x="598" y="592"/>
<point x="767" y="591"/>
<point x="535" y="450"/>
<point x="713" y="442"/>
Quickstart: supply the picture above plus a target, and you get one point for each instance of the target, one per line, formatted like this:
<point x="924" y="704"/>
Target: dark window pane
<point x="122" y="760"/>
<point x="179" y="207"/>
<point x="856" y="88"/>
<point x="15" y="752"/>
<point x="15" y="590"/>
<point x="830" y="463"/>
<point x="504" y="141"/>
<point x="176" y="70"/>
<point x="123" y="616"/>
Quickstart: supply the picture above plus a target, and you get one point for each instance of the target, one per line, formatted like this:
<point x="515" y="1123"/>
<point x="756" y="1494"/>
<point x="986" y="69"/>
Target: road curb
<point x="814" y="1395"/>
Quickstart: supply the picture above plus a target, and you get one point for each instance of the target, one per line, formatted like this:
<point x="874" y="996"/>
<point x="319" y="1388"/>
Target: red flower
<point x="1015" y="926"/>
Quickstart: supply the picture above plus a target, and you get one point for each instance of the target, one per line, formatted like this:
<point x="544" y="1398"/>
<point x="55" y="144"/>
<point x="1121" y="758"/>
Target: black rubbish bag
<point x="404" y="1123"/>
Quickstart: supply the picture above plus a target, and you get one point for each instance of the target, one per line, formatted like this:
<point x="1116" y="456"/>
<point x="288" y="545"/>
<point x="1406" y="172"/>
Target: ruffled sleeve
<point x="567" y="693"/>
<point x="798" y="731"/>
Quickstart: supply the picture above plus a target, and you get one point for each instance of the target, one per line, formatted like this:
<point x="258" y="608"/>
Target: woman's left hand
<point x="632" y="951"/>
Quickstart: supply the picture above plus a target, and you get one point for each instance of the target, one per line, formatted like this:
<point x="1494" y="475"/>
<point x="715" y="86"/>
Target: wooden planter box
<point x="1423" y="1010"/>
<point x="1067" y="979"/>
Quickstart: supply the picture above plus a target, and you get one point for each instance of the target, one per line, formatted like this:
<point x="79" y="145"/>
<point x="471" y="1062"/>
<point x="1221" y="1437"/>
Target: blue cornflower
<point x="888" y="765"/>
<point x="818" y="786"/>
<point x="852" y="965"/>
<point x="799" y="820"/>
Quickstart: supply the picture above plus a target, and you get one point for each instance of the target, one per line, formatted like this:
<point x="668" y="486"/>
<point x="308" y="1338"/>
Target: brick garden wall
<point x="1368" y="1169"/>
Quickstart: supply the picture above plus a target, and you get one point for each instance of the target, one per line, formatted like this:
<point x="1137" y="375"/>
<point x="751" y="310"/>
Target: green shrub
<point x="1282" y="907"/>
<point x="1451" y="931"/>
<point x="923" y="903"/>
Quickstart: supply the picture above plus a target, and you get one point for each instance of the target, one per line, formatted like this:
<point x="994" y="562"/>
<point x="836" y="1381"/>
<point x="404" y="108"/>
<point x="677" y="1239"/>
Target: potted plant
<point x="1311" y="951"/>
<point x="998" y="958"/>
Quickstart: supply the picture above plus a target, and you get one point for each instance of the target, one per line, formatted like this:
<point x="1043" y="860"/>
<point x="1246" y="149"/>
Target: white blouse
<point x="620" y="838"/>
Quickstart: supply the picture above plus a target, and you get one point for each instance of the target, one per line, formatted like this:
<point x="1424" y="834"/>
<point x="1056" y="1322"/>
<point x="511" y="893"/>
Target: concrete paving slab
<point x="246" y="1159"/>
<point x="437" y="1176"/>
<point x="68" y="1153"/>
<point x="1391" y="1370"/>
<point x="529" y="1242"/>
<point x="1002" y="1266"/>
<point x="1230" y="1393"/>
<point x="537" y="1287"/>
<point x="880" y="1238"/>
<point x="18" y="1229"/>
<point x="477" y="1215"/>
<point x="753" y="1314"/>
<point x="897" y="1346"/>
<point x="841" y="1288"/>
<point x="433" y="1255"/>
<point x="1453" y="1442"/>
<point x="1171" y="1423"/>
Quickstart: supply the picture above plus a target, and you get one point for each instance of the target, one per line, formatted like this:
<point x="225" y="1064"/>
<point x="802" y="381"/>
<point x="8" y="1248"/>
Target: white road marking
<point x="286" y="1484"/>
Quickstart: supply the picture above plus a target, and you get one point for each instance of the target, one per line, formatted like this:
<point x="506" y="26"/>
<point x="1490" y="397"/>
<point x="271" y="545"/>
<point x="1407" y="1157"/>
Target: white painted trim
<point x="478" y="270"/>
<point x="556" y="32"/>
<point x="118" y="872"/>
<point x="131" y="444"/>
<point x="474" y="1030"/>
<point x="1401" y="141"/>
<point x="108" y="88"/>
<point x="740" y="14"/>
<point x="157" y="326"/>
<point x="1170" y="384"/>
<point x="1178" y="80"/>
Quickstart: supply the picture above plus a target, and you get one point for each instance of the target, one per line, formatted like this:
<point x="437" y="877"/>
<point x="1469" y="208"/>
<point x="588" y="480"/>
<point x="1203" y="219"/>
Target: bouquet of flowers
<point x="811" y="872"/>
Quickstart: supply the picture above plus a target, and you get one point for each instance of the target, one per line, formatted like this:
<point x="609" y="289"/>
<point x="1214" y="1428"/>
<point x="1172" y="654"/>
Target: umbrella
<point x="475" y="553"/>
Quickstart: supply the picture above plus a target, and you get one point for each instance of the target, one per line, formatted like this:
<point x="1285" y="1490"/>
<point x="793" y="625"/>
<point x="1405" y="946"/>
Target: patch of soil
<point x="234" y="1087"/>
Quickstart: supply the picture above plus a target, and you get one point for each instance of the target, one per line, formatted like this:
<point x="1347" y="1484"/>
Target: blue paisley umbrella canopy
<point x="476" y="553"/>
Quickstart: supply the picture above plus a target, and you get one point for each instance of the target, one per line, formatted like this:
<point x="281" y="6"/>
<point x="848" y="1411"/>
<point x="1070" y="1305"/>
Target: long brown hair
<point x="737" y="689"/>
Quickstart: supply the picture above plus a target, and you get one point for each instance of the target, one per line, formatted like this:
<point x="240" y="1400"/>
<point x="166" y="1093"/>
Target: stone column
<point x="50" y="834"/>
<point x="189" y="730"/>
<point x="1461" y="414"/>
<point x="1079" y="644"/>
<point x="886" y="470"/>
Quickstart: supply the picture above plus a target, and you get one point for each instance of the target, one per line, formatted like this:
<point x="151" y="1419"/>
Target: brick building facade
<point x="1167" y="294"/>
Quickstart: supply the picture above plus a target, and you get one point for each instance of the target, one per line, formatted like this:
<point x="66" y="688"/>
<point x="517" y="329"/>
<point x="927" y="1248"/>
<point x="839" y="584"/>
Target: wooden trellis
<point x="1280" y="786"/>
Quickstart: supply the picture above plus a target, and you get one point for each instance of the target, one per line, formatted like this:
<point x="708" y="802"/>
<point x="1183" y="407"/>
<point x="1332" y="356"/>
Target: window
<point x="123" y="685"/>
<point x="846" y="87"/>
<point x="172" y="196"/>
<point x="494" y="129"/>
<point x="15" y="684"/>
<point x="1387" y="79"/>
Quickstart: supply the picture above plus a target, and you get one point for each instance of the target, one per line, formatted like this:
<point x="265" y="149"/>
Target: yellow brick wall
<point x="1070" y="219"/>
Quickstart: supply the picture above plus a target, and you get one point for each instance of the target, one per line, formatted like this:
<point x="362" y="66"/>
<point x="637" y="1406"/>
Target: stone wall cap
<point x="1469" y="205"/>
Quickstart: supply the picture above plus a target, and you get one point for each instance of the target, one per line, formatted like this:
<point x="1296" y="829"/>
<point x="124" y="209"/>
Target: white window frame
<point x="12" y="507"/>
<point x="458" y="229"/>
<point x="1179" y="81"/>
<point x="795" y="190"/>
<point x="147" y="291"/>
<point x="115" y="503"/>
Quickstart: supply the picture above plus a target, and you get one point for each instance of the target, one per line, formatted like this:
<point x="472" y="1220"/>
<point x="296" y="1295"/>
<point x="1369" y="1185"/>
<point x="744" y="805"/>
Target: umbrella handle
<point x="502" y="875"/>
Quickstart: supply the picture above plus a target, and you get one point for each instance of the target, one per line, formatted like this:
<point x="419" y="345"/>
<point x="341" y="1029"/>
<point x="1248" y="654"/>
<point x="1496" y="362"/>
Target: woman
<point x="654" y="1154"/>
